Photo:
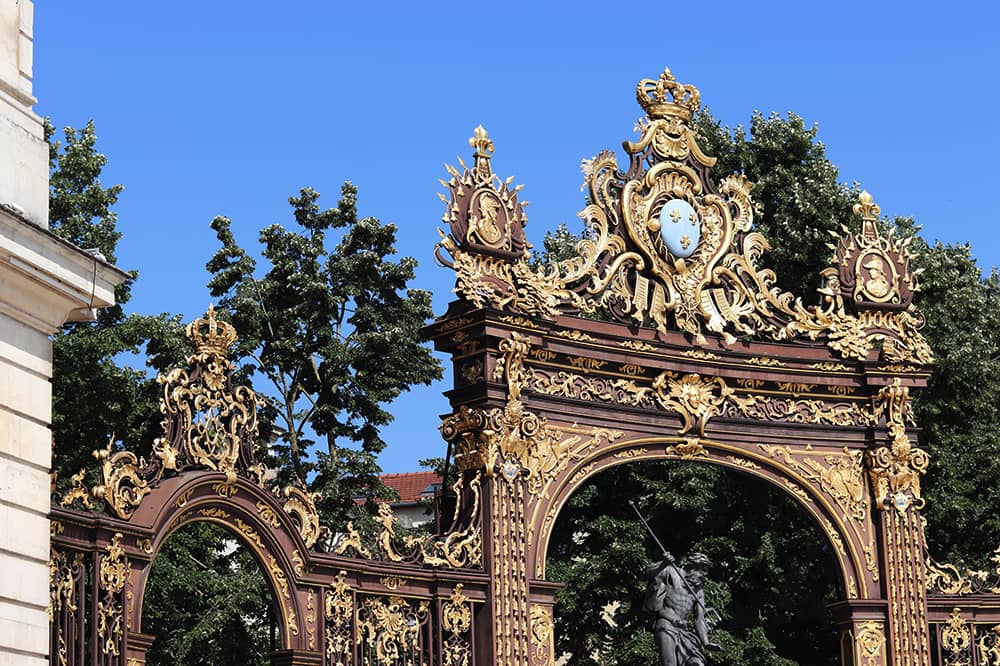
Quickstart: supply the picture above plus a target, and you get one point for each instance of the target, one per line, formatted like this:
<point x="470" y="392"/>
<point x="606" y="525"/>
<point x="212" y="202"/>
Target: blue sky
<point x="226" y="108"/>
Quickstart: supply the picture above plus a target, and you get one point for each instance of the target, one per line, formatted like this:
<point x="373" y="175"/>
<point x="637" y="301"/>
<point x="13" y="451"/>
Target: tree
<point x="208" y="602"/>
<point x="799" y="202"/>
<point x="95" y="396"/>
<point x="334" y="331"/>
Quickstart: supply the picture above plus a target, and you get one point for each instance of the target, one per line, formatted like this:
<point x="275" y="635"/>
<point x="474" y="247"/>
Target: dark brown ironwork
<point x="812" y="399"/>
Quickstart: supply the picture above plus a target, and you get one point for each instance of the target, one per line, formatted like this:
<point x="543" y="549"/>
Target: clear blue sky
<point x="228" y="108"/>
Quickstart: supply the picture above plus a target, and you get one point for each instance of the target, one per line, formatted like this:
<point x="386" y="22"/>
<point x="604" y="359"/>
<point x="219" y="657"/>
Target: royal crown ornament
<point x="211" y="335"/>
<point x="665" y="97"/>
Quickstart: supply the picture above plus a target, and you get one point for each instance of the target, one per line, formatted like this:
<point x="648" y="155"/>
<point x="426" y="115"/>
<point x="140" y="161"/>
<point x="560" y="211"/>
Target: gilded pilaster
<point x="895" y="470"/>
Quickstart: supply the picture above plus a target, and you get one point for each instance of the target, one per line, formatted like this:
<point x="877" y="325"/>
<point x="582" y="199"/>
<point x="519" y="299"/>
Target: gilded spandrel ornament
<point x="669" y="249"/>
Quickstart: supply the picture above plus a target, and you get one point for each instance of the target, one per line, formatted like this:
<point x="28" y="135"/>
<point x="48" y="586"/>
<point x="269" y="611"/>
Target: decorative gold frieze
<point x="637" y="345"/>
<point x="573" y="334"/>
<point x="700" y="354"/>
<point x="392" y="582"/>
<point x="765" y="361"/>
<point x="830" y="366"/>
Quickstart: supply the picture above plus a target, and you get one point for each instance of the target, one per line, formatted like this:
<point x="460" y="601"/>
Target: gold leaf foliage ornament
<point x="301" y="505"/>
<point x="459" y="547"/>
<point x="693" y="397"/>
<point x="956" y="638"/>
<point x="389" y="629"/>
<point x="949" y="579"/>
<point x="456" y="620"/>
<point x="112" y="575"/>
<point x="667" y="248"/>
<point x="989" y="647"/>
<point x="870" y="640"/>
<point x="339" y="611"/>
<point x="895" y="470"/>
<point x="542" y="635"/>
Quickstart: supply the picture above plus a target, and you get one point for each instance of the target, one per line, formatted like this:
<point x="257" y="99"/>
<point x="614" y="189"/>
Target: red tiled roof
<point x="411" y="486"/>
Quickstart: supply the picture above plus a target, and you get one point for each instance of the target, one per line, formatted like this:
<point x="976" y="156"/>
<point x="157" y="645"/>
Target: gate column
<point x="895" y="469"/>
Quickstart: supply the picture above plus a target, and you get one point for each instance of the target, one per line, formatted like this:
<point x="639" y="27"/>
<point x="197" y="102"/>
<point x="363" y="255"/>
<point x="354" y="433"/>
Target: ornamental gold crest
<point x="666" y="246"/>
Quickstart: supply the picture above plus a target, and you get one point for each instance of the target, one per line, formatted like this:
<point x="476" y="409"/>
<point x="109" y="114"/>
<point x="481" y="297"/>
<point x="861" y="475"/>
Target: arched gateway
<point x="695" y="355"/>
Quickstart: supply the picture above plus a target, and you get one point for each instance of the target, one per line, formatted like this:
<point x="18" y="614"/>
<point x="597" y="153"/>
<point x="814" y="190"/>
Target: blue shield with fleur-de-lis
<point x="680" y="228"/>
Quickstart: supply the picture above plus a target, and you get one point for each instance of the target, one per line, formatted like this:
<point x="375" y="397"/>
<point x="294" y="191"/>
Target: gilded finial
<point x="683" y="100"/>
<point x="869" y="212"/>
<point x="866" y="208"/>
<point x="211" y="335"/>
<point x="482" y="142"/>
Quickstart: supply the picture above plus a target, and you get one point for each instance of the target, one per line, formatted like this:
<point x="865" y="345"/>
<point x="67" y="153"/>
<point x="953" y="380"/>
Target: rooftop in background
<point x="412" y="486"/>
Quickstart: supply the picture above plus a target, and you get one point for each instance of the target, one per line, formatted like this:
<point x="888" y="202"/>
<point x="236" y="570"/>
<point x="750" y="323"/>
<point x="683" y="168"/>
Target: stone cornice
<point x="48" y="281"/>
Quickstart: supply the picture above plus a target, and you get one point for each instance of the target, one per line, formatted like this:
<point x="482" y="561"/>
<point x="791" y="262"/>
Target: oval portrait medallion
<point x="680" y="228"/>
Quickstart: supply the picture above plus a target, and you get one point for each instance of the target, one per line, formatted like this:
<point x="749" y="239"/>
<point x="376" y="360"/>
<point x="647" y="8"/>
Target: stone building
<point x="44" y="282"/>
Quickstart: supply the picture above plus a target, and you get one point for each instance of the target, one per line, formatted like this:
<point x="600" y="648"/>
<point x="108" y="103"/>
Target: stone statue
<point x="674" y="593"/>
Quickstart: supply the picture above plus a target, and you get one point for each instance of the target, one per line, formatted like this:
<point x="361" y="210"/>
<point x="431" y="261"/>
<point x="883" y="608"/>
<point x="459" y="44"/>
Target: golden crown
<point x="683" y="101"/>
<point x="210" y="334"/>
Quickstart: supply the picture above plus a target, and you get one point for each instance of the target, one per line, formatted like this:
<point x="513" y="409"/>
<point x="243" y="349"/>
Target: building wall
<point x="44" y="282"/>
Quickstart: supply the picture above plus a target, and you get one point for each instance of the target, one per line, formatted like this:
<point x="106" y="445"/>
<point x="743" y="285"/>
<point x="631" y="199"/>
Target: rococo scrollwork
<point x="667" y="248"/>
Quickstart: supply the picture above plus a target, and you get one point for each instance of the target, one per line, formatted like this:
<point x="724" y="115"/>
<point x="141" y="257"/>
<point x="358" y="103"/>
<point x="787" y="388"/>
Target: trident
<point x="673" y="566"/>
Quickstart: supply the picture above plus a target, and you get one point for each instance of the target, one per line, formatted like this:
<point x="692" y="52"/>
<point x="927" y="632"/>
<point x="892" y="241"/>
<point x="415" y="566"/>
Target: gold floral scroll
<point x="667" y="248"/>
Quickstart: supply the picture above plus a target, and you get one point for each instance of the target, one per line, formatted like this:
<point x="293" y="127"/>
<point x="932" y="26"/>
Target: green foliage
<point x="959" y="411"/>
<point x="799" y="201"/>
<point x="207" y="602"/>
<point x="772" y="578"/>
<point x="96" y="397"/>
<point x="334" y="331"/>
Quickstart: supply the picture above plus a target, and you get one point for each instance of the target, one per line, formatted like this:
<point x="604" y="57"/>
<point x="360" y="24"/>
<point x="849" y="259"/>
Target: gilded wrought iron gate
<point x="695" y="356"/>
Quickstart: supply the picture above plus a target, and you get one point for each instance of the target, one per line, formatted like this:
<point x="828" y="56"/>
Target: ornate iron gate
<point x="697" y="357"/>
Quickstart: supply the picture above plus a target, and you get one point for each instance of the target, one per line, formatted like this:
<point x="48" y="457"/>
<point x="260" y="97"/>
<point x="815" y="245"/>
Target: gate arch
<point x="245" y="510"/>
<point x="813" y="503"/>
